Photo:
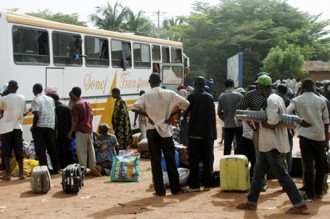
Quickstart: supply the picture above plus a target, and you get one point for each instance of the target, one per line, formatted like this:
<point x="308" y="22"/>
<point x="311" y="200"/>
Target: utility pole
<point x="158" y="14"/>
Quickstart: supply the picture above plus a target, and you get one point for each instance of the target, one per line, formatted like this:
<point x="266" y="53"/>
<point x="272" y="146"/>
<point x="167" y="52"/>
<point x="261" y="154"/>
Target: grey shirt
<point x="227" y="105"/>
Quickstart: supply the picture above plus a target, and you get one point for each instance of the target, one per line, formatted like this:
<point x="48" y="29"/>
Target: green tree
<point x="168" y="23"/>
<point x="212" y="34"/>
<point x="59" y="17"/>
<point x="138" y="23"/>
<point x="110" y="18"/>
<point x="281" y="63"/>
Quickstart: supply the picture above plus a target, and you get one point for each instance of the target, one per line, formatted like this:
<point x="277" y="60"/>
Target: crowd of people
<point x="56" y="126"/>
<point x="267" y="146"/>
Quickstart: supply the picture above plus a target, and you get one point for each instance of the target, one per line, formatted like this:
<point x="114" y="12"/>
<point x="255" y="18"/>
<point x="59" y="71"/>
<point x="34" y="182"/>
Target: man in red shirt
<point x="82" y="125"/>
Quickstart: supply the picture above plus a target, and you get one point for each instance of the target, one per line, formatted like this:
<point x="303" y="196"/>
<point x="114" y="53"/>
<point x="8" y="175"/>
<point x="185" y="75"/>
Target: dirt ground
<point x="101" y="198"/>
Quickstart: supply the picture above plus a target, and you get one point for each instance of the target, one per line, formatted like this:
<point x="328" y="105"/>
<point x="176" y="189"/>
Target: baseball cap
<point x="181" y="86"/>
<point x="264" y="80"/>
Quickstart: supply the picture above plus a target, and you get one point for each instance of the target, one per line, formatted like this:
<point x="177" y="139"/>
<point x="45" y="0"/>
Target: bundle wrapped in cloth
<point x="286" y="120"/>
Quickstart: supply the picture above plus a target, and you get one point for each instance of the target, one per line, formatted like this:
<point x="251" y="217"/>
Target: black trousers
<point x="157" y="143"/>
<point x="312" y="151"/>
<point x="64" y="151"/>
<point x="229" y="136"/>
<point x="44" y="139"/>
<point x="246" y="147"/>
<point x="199" y="150"/>
<point x="12" y="141"/>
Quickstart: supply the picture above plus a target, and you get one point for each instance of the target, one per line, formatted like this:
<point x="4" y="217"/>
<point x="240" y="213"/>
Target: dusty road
<point x="101" y="198"/>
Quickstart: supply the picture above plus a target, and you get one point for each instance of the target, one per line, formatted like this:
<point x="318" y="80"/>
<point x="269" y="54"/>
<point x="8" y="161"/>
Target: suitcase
<point x="40" y="179"/>
<point x="72" y="178"/>
<point x="234" y="173"/>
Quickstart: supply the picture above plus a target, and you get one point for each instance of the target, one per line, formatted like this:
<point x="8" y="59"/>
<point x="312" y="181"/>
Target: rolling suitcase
<point x="40" y="179"/>
<point x="234" y="173"/>
<point x="72" y="178"/>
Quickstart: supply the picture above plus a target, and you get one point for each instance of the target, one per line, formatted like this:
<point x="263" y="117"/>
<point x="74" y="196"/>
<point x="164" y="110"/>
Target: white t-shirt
<point x="13" y="106"/>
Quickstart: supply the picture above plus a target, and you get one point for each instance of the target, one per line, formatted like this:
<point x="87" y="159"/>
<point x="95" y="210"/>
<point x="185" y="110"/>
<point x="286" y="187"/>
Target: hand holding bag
<point x="327" y="162"/>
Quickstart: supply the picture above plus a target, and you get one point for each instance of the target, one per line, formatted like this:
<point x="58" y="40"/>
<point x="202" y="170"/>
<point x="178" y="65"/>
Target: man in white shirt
<point x="43" y="128"/>
<point x="13" y="107"/>
<point x="313" y="139"/>
<point x="158" y="106"/>
<point x="273" y="142"/>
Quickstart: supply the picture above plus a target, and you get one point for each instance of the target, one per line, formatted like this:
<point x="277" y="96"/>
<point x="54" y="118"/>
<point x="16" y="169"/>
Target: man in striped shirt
<point x="43" y="128"/>
<point x="253" y="100"/>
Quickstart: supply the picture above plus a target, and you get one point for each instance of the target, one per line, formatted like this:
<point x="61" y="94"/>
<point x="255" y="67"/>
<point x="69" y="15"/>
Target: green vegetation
<point x="272" y="35"/>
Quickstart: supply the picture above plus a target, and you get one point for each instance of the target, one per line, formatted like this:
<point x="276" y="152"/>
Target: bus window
<point x="176" y="55"/>
<point x="121" y="54"/>
<point x="156" y="53"/>
<point x="97" y="50"/>
<point x="30" y="46"/>
<point x="172" y="75"/>
<point x="67" y="49"/>
<point x="166" y="54"/>
<point x="141" y="54"/>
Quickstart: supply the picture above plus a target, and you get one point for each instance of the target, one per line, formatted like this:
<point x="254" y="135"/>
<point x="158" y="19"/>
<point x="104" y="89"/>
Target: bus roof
<point x="17" y="18"/>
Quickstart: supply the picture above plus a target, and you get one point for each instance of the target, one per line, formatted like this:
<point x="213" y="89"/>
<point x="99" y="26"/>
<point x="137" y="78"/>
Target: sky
<point x="167" y="8"/>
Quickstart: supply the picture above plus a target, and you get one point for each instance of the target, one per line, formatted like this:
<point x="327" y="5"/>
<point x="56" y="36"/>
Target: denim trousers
<point x="278" y="168"/>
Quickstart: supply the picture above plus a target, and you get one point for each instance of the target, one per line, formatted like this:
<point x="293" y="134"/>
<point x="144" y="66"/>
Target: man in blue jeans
<point x="274" y="142"/>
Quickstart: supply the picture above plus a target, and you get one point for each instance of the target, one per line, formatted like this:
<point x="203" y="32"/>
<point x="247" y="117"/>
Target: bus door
<point x="172" y="75"/>
<point x="55" y="78"/>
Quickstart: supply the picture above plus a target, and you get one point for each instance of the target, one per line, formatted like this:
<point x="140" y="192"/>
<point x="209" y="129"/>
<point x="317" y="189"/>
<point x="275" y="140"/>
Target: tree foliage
<point x="121" y="18"/>
<point x="212" y="34"/>
<point x="59" y="17"/>
<point x="271" y="34"/>
<point x="281" y="63"/>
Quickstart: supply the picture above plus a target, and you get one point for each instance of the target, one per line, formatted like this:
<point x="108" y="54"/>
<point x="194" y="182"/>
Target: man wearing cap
<point x="253" y="100"/>
<point x="182" y="91"/>
<point x="273" y="143"/>
<point x="13" y="107"/>
<point x="43" y="128"/>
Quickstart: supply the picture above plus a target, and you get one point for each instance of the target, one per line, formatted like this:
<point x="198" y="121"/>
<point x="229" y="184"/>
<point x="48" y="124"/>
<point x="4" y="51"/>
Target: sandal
<point x="21" y="177"/>
<point x="246" y="206"/>
<point x="6" y="177"/>
<point x="94" y="172"/>
<point x="298" y="210"/>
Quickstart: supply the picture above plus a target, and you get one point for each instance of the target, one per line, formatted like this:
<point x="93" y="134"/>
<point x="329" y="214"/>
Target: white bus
<point x="34" y="50"/>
